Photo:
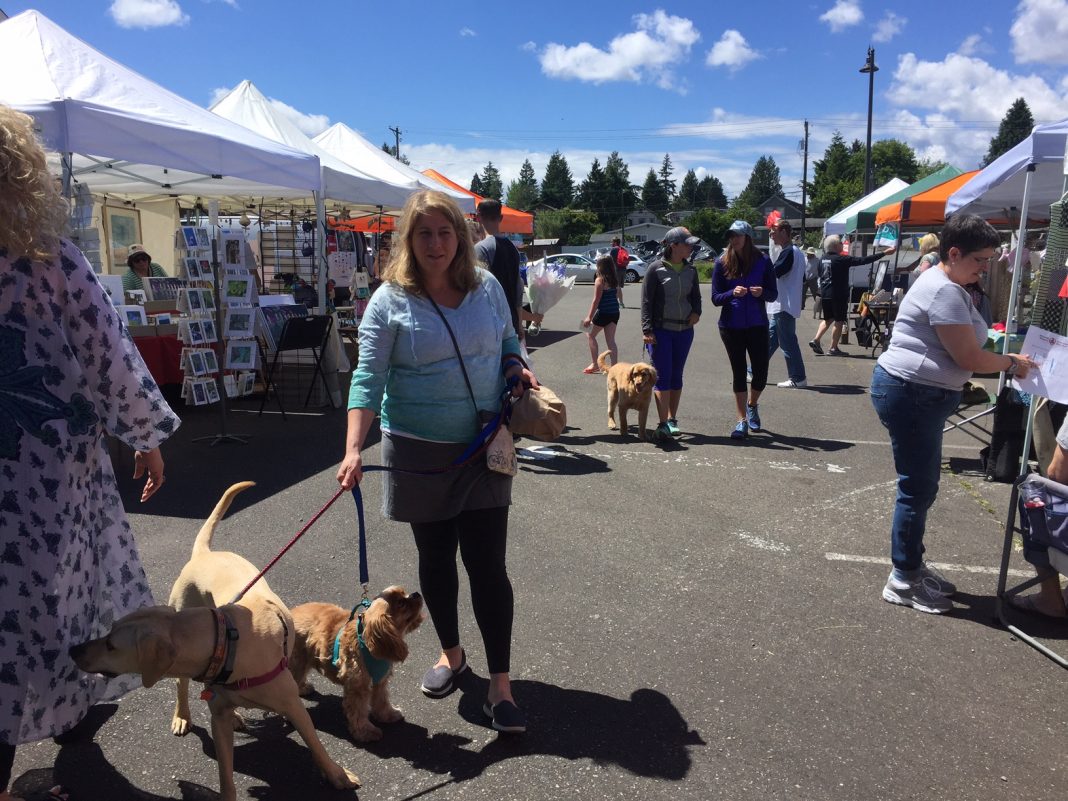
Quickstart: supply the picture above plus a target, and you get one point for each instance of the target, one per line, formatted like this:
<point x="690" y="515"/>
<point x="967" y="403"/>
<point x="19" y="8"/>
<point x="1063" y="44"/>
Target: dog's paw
<point x="612" y="425"/>
<point x="366" y="732"/>
<point x="342" y="778"/>
<point x="389" y="715"/>
<point x="179" y="726"/>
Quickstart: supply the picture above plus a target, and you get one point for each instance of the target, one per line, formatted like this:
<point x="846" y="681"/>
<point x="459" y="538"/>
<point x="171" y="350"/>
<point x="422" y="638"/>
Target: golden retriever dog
<point x="630" y="386"/>
<point x="200" y="635"/>
<point x="383" y="627"/>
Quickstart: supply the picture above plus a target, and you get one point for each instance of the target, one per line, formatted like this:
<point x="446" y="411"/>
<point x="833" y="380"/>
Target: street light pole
<point x="870" y="68"/>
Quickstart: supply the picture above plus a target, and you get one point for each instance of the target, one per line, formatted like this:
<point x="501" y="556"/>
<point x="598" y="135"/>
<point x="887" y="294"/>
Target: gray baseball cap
<point x="741" y="227"/>
<point x="680" y="235"/>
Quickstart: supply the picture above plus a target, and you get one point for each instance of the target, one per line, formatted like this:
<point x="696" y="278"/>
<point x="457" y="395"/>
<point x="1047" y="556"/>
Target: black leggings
<point x="753" y="341"/>
<point x="482" y="535"/>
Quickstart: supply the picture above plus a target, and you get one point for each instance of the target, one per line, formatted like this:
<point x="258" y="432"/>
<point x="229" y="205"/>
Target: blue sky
<point x="716" y="85"/>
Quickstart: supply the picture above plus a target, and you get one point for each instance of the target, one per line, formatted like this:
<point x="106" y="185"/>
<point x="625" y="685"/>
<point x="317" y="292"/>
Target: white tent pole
<point x="320" y="248"/>
<point x="1017" y="271"/>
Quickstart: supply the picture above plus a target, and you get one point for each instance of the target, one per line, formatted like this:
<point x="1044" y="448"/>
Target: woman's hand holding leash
<point x="351" y="471"/>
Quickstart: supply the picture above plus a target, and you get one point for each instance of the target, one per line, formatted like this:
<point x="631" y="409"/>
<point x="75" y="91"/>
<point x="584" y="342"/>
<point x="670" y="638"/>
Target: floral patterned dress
<point x="69" y="372"/>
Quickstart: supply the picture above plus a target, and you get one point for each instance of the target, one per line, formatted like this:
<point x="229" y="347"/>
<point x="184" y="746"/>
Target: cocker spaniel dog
<point x="369" y="644"/>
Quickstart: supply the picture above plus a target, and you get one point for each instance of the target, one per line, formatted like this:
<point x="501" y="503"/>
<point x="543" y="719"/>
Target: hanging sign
<point x="886" y="235"/>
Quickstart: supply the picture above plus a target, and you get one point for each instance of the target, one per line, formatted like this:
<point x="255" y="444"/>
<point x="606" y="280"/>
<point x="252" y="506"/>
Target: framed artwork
<point x="200" y="395"/>
<point x="211" y="386"/>
<point x="239" y="322"/>
<point x="207" y="299"/>
<point x="196" y="333"/>
<point x="164" y="288"/>
<point x="192" y="268"/>
<point x="233" y="250"/>
<point x="122" y="226"/>
<point x="248" y="383"/>
<point x="133" y="315"/>
<point x="190" y="235"/>
<point x="241" y="354"/>
<point x="191" y="298"/>
<point x="211" y="363"/>
<point x="206" y="273"/>
<point x="230" y="384"/>
<point x="208" y="327"/>
<point x="196" y="363"/>
<point x="238" y="290"/>
<point x="202" y="238"/>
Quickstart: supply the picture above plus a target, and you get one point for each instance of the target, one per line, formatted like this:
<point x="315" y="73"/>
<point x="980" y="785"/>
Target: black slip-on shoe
<point x="440" y="681"/>
<point x="507" y="717"/>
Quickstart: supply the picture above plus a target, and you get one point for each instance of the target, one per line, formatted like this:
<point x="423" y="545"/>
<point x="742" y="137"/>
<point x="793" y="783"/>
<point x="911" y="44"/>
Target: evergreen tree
<point x="476" y="185"/>
<point x="1014" y="128"/>
<point x="666" y="183"/>
<point x="570" y="226"/>
<point x="835" y="180"/>
<point x="523" y="192"/>
<point x="687" y="197"/>
<point x="620" y="197"/>
<point x="710" y="194"/>
<point x="764" y="182"/>
<point x="892" y="158"/>
<point x="392" y="150"/>
<point x="558" y="187"/>
<point x="654" y="197"/>
<point x="593" y="192"/>
<point x="491" y="182"/>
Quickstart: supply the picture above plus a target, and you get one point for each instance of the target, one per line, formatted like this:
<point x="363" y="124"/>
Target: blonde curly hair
<point x="403" y="269"/>
<point x="33" y="214"/>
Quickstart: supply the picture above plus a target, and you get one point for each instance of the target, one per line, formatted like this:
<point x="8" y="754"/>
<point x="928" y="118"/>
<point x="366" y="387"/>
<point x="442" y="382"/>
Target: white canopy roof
<point x="836" y="224"/>
<point x="247" y="106"/>
<point x="999" y="186"/>
<point x="344" y="143"/>
<point x="132" y="136"/>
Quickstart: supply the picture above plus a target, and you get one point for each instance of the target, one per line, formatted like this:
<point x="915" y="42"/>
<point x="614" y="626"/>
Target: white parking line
<point x="943" y="566"/>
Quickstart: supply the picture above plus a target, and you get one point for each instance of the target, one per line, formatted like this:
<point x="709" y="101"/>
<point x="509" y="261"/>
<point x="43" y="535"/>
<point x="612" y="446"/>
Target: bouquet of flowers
<point x="545" y="286"/>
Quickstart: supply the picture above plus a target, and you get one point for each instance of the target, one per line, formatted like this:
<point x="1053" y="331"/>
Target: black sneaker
<point x="836" y="352"/>
<point x="817" y="348"/>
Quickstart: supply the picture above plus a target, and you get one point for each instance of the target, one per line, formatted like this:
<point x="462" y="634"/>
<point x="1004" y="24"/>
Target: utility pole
<point x="396" y="134"/>
<point x="869" y="69"/>
<point x="804" y="186"/>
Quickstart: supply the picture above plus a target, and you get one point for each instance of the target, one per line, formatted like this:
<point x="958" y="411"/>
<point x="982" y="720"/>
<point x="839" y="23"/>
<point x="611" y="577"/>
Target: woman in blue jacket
<point x="742" y="281"/>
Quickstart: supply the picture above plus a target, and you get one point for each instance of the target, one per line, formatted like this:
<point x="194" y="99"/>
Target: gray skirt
<point x="409" y="498"/>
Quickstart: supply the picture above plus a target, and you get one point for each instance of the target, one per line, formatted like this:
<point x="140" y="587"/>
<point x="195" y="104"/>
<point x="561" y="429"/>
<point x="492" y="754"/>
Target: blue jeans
<point x="783" y="332"/>
<point x="915" y="415"/>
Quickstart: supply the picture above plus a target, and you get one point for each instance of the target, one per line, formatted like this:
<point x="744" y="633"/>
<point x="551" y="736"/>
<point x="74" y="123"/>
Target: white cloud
<point x="970" y="46"/>
<point x="732" y="51"/>
<point x="728" y="125"/>
<point x="1039" y="32"/>
<point x="843" y="14"/>
<point x="147" y="13"/>
<point x="955" y="105"/>
<point x="659" y="42"/>
<point x="467" y="32"/>
<point x="888" y="27"/>
<point x="309" y="124"/>
<point x="529" y="47"/>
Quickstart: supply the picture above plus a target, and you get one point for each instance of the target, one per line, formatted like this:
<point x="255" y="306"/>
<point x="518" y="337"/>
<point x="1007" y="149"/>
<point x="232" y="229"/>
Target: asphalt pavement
<point x="696" y="620"/>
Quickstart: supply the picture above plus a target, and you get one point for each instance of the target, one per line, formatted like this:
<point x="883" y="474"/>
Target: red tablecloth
<point x="163" y="357"/>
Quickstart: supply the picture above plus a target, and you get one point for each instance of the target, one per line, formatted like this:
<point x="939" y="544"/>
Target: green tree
<point x="523" y="192"/>
<point x="890" y="158"/>
<point x="593" y="192"/>
<point x="666" y="182"/>
<point x="570" y="226"/>
<point x="925" y="167"/>
<point x="476" y="185"/>
<point x="392" y="150"/>
<point x="654" y="197"/>
<point x="710" y="194"/>
<point x="711" y="224"/>
<point x="557" y="187"/>
<point x="835" y="180"/>
<point x="1014" y="128"/>
<point x="491" y="182"/>
<point x="764" y="182"/>
<point x="687" y="196"/>
<point x="621" y="198"/>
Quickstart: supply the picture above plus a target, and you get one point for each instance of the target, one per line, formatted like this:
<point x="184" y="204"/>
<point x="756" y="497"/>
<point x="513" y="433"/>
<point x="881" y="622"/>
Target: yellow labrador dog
<point x="630" y="386"/>
<point x="239" y="650"/>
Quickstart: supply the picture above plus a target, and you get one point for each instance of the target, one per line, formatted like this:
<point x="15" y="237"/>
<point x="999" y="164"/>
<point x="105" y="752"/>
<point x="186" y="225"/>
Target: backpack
<point x="622" y="257"/>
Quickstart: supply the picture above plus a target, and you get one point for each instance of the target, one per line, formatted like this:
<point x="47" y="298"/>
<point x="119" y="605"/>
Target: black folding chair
<point x="300" y="333"/>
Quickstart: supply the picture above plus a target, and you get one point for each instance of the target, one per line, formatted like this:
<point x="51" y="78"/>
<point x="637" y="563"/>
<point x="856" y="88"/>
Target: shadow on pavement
<point x="644" y="734"/>
<point x="557" y="460"/>
<point x="981" y="609"/>
<point x="837" y="389"/>
<point x="769" y="440"/>
<point x="546" y="338"/>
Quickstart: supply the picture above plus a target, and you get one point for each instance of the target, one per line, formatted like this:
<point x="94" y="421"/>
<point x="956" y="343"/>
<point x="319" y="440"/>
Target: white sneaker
<point x="791" y="384"/>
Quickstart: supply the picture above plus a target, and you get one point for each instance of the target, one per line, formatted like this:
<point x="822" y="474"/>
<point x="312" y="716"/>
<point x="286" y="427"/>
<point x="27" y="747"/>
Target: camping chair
<point x="1038" y="512"/>
<point x="300" y="333"/>
<point x="976" y="402"/>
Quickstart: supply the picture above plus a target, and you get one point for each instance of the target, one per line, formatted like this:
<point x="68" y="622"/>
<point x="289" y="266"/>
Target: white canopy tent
<point x="121" y="134"/>
<point x="997" y="191"/>
<point x="247" y="106"/>
<point x="836" y="224"/>
<point x="341" y="141"/>
<point x="1022" y="182"/>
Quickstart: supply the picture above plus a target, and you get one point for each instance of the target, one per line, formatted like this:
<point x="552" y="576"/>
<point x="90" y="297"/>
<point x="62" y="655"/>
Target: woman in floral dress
<point x="69" y="373"/>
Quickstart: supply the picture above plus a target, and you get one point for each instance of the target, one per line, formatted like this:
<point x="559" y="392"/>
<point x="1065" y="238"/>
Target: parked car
<point x="584" y="270"/>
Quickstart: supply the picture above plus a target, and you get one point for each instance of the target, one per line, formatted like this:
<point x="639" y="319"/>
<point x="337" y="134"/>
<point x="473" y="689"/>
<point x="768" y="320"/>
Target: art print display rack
<point x="220" y="354"/>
